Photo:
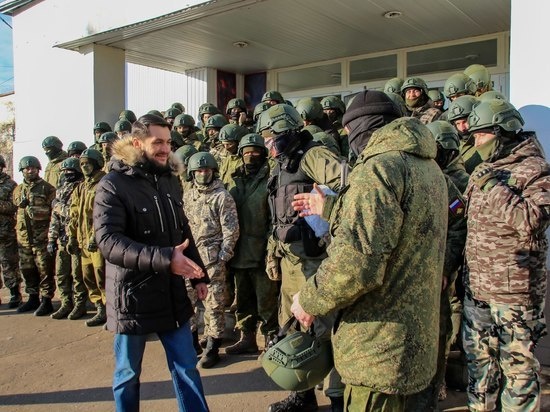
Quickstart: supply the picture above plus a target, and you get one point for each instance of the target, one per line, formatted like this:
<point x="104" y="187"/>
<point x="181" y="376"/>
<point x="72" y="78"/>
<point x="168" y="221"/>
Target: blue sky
<point x="6" y="56"/>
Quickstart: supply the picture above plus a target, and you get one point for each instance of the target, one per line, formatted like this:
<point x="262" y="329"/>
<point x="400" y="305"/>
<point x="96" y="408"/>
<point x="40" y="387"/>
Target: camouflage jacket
<point x="456" y="171"/>
<point x="384" y="266"/>
<point x="213" y="220"/>
<point x="52" y="173"/>
<point x="7" y="208"/>
<point x="60" y="213"/>
<point x="81" y="221"/>
<point x="33" y="221"/>
<point x="426" y="114"/>
<point x="506" y="246"/>
<point x="194" y="140"/>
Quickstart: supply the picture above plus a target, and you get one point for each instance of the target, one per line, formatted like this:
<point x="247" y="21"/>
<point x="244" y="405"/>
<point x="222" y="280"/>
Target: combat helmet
<point x="492" y="113"/>
<point x="479" y="75"/>
<point x="76" y="147"/>
<point x="259" y="109"/>
<point x="235" y="103"/>
<point x="94" y="155"/>
<point x="281" y="118"/>
<point x="461" y="107"/>
<point x="216" y="121"/>
<point x="232" y="133"/>
<point x="102" y="127"/>
<point x="171" y="113"/>
<point x="393" y="85"/>
<point x="123" y="125"/>
<point x="273" y="95"/>
<point x="185" y="152"/>
<point x="107" y="137"/>
<point x="208" y="108"/>
<point x="252" y="139"/>
<point x="435" y="95"/>
<point x="52" y="141"/>
<point x="184" y="120"/>
<point x="414" y="82"/>
<point x="179" y="106"/>
<point x="127" y="115"/>
<point x="71" y="163"/>
<point x="155" y="112"/>
<point x="29" y="161"/>
<point x="459" y="83"/>
<point x="309" y="109"/>
<point x="201" y="160"/>
<point x="491" y="94"/>
<point x="445" y="134"/>
<point x="333" y="102"/>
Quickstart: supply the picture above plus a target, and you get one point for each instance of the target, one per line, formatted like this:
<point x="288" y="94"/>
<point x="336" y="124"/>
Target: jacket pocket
<point x="145" y="221"/>
<point x="143" y="296"/>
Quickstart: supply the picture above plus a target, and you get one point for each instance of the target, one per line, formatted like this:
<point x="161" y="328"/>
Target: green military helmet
<point x="282" y="118"/>
<point x="479" y="75"/>
<point x="232" y="133"/>
<point x="171" y="113"/>
<point x="185" y="152"/>
<point x="491" y="113"/>
<point x="435" y="95"/>
<point x="184" y="120"/>
<point x="108" y="137"/>
<point x="94" y="155"/>
<point x="398" y="102"/>
<point x="458" y="83"/>
<point x="179" y="106"/>
<point x="310" y="109"/>
<point x="208" y="108"/>
<point x="52" y="141"/>
<point x="76" y="147"/>
<point x="492" y="94"/>
<point x="29" y="161"/>
<point x="2" y="162"/>
<point x="201" y="160"/>
<point x="273" y="95"/>
<point x="445" y="134"/>
<point x="216" y="121"/>
<point x="333" y="102"/>
<point x="71" y="163"/>
<point x="123" y="125"/>
<point x="298" y="362"/>
<point x="102" y="127"/>
<point x="156" y="113"/>
<point x="235" y="103"/>
<point x="461" y="107"/>
<point x="252" y="139"/>
<point x="414" y="82"/>
<point x="259" y="109"/>
<point x="127" y="115"/>
<point x="312" y="128"/>
<point x="393" y="85"/>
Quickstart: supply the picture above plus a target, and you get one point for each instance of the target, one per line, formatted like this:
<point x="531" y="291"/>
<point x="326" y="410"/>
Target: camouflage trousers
<point x="93" y="273"/>
<point x="192" y="295"/>
<point x="214" y="304"/>
<point x="256" y="301"/>
<point x="68" y="271"/>
<point x="37" y="268"/>
<point x="499" y="341"/>
<point x="9" y="262"/>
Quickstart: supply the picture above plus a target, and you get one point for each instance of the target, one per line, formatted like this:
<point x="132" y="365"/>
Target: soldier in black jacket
<point x="144" y="235"/>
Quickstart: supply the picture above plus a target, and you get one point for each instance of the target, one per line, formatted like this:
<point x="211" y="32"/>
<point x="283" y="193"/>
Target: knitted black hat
<point x="370" y="102"/>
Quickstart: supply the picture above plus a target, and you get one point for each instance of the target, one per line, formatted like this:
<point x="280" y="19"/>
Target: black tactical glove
<point x="51" y="247"/>
<point x="92" y="247"/>
<point x="23" y="203"/>
<point x="485" y="178"/>
<point x="72" y="246"/>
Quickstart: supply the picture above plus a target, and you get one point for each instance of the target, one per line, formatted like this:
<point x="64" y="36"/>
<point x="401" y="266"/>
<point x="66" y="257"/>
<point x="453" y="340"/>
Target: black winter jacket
<point x="138" y="219"/>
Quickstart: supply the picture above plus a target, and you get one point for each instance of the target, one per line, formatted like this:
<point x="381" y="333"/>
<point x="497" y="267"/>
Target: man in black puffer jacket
<point x="143" y="234"/>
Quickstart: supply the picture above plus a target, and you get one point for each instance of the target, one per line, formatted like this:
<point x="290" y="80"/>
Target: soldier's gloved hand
<point x="23" y="203"/>
<point x="485" y="178"/>
<point x="72" y="246"/>
<point x="92" y="247"/>
<point x="51" y="247"/>
<point x="272" y="267"/>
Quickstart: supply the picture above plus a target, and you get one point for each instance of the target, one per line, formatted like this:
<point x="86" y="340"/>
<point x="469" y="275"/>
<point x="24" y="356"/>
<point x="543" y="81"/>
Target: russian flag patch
<point x="457" y="207"/>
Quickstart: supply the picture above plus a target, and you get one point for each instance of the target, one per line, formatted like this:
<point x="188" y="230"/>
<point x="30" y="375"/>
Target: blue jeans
<point x="182" y="362"/>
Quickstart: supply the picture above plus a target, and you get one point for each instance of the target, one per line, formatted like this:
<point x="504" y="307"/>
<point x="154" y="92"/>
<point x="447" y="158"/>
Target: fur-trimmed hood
<point x="125" y="154"/>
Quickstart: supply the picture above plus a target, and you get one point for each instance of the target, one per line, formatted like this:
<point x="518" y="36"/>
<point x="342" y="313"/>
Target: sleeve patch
<point x="457" y="207"/>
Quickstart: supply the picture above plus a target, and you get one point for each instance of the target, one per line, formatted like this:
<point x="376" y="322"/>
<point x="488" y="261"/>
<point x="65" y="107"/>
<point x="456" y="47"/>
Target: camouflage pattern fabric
<point x="52" y="173"/>
<point x="9" y="259"/>
<point x="194" y="140"/>
<point x="499" y="341"/>
<point x="426" y="114"/>
<point x="93" y="273"/>
<point x="213" y="220"/>
<point x="192" y="294"/>
<point x="32" y="236"/>
<point x="384" y="265"/>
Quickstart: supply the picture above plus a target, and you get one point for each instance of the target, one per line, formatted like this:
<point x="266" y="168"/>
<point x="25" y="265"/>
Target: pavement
<point x="63" y="365"/>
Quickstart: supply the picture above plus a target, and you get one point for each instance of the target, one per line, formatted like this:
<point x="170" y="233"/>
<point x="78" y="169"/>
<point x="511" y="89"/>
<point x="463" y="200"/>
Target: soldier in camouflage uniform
<point x="335" y="108"/>
<point x="213" y="220"/>
<point x="185" y="126"/>
<point x="506" y="250"/>
<point x="256" y="293"/>
<point x="206" y="110"/>
<point x="106" y="141"/>
<point x="415" y="92"/>
<point x="68" y="268"/>
<point x="228" y="159"/>
<point x="53" y="147"/>
<point x="99" y="129"/>
<point x="82" y="235"/>
<point x="34" y="198"/>
<point x="236" y="111"/>
<point x="212" y="131"/>
<point x="9" y="259"/>
<point x="384" y="265"/>
<point x="481" y="78"/>
<point x="75" y="149"/>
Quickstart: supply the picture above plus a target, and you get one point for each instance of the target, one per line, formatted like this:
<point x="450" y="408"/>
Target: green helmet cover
<point x="208" y="108"/>
<point x="492" y="94"/>
<point x="185" y="152"/>
<point x="102" y="127"/>
<point x="333" y="102"/>
<point x="201" y="160"/>
<point x="232" y="133"/>
<point x="310" y="109"/>
<point x="235" y="103"/>
<point x="123" y="125"/>
<point x="435" y="95"/>
<point x="171" y="112"/>
<point x="273" y="95"/>
<point x="259" y="109"/>
<point x="52" y="141"/>
<point x="94" y="155"/>
<point x="184" y="120"/>
<point x="281" y="118"/>
<point x="216" y="121"/>
<point x="414" y="82"/>
<point x="29" y="161"/>
<point x="479" y="75"/>
<point x="76" y="146"/>
<point x="252" y="139"/>
<point x="445" y="134"/>
<point x="107" y="137"/>
<point x="127" y="115"/>
<point x="71" y="163"/>
<point x="156" y="113"/>
<point x="461" y="107"/>
<point x="459" y="83"/>
<point x="491" y="113"/>
<point x="393" y="85"/>
<point x="179" y="106"/>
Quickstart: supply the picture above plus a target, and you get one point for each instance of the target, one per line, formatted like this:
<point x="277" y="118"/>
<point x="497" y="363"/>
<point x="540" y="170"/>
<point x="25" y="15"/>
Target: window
<point x="373" y="68"/>
<point x="310" y="78"/>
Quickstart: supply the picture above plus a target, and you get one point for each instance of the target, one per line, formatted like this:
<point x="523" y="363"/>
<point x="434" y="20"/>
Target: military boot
<point x="211" y="356"/>
<point x="45" y="307"/>
<point x="32" y="304"/>
<point x="100" y="318"/>
<point x="63" y="311"/>
<point x="336" y="403"/>
<point x="78" y="311"/>
<point x="296" y="402"/>
<point x="16" y="298"/>
<point x="246" y="344"/>
<point x="196" y="343"/>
